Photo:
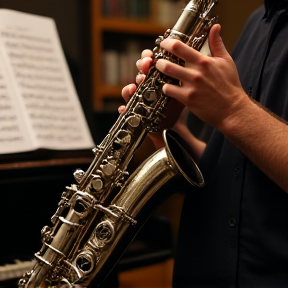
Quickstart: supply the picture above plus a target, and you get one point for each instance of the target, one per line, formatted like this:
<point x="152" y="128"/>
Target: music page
<point x="13" y="134"/>
<point x="41" y="82"/>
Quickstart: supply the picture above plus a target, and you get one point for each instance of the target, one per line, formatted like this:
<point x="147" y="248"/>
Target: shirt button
<point x="232" y="222"/>
<point x="236" y="172"/>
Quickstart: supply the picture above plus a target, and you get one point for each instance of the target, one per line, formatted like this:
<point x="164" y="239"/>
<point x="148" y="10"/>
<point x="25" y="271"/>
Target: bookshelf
<point x="120" y="33"/>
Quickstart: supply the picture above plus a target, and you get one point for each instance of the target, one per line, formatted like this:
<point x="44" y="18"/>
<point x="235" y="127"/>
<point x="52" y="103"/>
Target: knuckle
<point x="205" y="62"/>
<point x="190" y="94"/>
<point x="198" y="78"/>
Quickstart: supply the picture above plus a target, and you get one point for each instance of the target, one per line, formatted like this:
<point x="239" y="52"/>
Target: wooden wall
<point x="232" y="16"/>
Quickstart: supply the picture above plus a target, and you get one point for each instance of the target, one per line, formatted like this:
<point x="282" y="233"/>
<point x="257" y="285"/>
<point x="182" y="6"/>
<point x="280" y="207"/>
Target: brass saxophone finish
<point x="98" y="217"/>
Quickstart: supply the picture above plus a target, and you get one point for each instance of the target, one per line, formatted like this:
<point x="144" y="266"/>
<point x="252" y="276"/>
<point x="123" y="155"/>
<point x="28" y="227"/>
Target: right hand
<point x="173" y="110"/>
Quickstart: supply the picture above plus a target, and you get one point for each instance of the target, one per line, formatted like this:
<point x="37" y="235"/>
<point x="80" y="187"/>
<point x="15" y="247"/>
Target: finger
<point x="174" y="92"/>
<point x="128" y="91"/>
<point x="146" y="53"/>
<point x="216" y="44"/>
<point x="174" y="70"/>
<point x="180" y="49"/>
<point x="140" y="78"/>
<point x="122" y="109"/>
<point x="144" y="64"/>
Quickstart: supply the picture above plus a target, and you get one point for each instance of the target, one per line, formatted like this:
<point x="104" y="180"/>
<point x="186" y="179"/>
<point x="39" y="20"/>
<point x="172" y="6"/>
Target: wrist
<point x="239" y="119"/>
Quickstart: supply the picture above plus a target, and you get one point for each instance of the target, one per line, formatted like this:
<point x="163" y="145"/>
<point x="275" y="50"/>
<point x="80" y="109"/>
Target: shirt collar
<point x="272" y="6"/>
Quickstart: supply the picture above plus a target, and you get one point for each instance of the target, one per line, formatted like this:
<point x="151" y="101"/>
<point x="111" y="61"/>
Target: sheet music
<point x="13" y="136"/>
<point x="35" y="61"/>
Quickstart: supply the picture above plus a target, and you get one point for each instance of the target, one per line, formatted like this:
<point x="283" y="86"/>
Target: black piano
<point x="31" y="185"/>
<point x="30" y="192"/>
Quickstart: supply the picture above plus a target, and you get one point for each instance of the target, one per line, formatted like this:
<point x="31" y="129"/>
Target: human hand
<point x="173" y="109"/>
<point x="143" y="66"/>
<point x="210" y="86"/>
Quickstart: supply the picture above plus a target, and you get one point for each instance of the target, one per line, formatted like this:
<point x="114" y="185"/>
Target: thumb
<point x="216" y="44"/>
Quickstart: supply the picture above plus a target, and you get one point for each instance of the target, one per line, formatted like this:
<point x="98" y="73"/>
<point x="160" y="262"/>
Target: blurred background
<point x="102" y="40"/>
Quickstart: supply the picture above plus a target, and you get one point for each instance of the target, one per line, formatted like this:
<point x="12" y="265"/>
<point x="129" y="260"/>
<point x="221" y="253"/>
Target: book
<point x="110" y="67"/>
<point x="39" y="105"/>
<point x="118" y="66"/>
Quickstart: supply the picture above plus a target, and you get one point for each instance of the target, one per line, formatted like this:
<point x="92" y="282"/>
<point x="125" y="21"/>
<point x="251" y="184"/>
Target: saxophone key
<point x="97" y="150"/>
<point x="141" y="109"/>
<point x="123" y="139"/>
<point x="78" y="175"/>
<point x="97" y="183"/>
<point x="134" y="121"/>
<point x="108" y="169"/>
<point x="104" y="231"/>
<point x="150" y="95"/>
<point x="86" y="261"/>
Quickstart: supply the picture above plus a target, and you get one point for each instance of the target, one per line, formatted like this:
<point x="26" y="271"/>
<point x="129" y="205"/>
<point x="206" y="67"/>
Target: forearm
<point x="196" y="146"/>
<point x="262" y="138"/>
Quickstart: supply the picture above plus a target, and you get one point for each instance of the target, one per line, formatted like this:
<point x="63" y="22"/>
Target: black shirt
<point x="234" y="232"/>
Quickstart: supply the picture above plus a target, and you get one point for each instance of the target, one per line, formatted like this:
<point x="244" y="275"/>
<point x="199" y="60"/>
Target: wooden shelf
<point x="110" y="91"/>
<point x="146" y="27"/>
<point x="136" y="29"/>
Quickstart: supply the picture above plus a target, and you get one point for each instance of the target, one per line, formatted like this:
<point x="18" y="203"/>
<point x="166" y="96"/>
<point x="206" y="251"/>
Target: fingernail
<point x="122" y="109"/>
<point x="137" y="62"/>
<point x="140" y="77"/>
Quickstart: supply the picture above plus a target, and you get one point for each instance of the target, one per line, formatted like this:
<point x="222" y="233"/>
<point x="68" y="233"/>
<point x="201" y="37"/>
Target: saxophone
<point x="98" y="217"/>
